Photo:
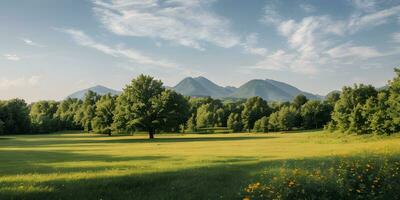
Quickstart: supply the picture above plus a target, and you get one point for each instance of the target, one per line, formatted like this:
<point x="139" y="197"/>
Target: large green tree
<point x="146" y="105"/>
<point x="14" y="115"/>
<point x="349" y="113"/>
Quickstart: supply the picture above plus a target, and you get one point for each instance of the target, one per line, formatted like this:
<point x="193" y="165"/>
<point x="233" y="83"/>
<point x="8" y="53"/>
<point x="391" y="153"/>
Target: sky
<point x="50" y="49"/>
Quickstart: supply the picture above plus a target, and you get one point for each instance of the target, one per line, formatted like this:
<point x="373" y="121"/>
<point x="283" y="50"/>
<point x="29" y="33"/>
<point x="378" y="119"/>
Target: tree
<point x="394" y="101"/>
<point x="254" y="109"/>
<point x="315" y="114"/>
<point x="235" y="122"/>
<point x="348" y="114"/>
<point x="14" y="115"/>
<point x="273" y="122"/>
<point x="261" y="125"/>
<point x="284" y="119"/>
<point x="43" y="118"/>
<point x="66" y="112"/>
<point x="144" y="105"/>
<point x="175" y="110"/>
<point x="102" y="122"/>
<point x="287" y="118"/>
<point x="299" y="100"/>
<point x="205" y="116"/>
<point x="380" y="120"/>
<point x="1" y="127"/>
<point x="87" y="111"/>
<point x="332" y="97"/>
<point x="191" y="124"/>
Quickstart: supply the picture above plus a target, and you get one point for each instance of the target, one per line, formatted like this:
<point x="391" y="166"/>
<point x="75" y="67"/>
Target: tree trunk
<point x="151" y="133"/>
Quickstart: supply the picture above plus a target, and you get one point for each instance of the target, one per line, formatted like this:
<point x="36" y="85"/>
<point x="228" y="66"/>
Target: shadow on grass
<point x="55" y="140"/>
<point x="218" y="181"/>
<point x="27" y="162"/>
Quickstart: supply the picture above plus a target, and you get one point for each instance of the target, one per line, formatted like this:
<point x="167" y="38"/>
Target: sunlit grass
<point x="171" y="166"/>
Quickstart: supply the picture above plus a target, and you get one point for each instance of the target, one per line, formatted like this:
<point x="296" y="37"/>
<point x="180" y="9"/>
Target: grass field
<point x="213" y="166"/>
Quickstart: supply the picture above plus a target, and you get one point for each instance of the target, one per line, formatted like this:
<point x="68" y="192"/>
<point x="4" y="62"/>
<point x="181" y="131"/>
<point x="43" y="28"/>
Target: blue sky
<point x="50" y="49"/>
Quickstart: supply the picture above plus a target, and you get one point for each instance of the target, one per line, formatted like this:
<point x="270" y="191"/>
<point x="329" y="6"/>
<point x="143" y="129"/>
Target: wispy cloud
<point x="373" y="19"/>
<point x="84" y="40"/>
<point x="364" y="5"/>
<point x="6" y="84"/>
<point x="349" y="50"/>
<point x="250" y="45"/>
<point x="130" y="54"/>
<point x="185" y="22"/>
<point x="316" y="41"/>
<point x="396" y="37"/>
<point x="30" y="42"/>
<point x="12" y="57"/>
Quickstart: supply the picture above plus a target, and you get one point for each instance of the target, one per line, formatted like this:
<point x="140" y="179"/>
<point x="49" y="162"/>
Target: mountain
<point x="267" y="89"/>
<point x="270" y="90"/>
<point x="201" y="86"/>
<point x="101" y="90"/>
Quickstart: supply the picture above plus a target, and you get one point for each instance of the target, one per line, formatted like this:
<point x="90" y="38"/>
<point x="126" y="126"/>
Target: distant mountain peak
<point x="99" y="89"/>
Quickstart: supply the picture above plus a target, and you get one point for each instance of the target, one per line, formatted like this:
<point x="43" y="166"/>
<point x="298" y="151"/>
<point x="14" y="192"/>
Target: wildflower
<point x="291" y="183"/>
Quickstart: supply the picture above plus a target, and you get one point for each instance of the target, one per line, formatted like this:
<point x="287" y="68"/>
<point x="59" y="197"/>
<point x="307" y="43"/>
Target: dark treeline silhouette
<point x="145" y="105"/>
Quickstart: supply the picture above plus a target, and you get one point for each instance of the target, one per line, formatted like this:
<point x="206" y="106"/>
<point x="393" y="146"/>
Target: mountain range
<point x="267" y="89"/>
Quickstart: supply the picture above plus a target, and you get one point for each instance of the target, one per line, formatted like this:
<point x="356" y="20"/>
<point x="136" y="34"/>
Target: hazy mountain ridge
<point x="267" y="89"/>
<point x="99" y="89"/>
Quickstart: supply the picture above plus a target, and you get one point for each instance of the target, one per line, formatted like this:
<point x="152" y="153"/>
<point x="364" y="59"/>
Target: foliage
<point x="235" y="122"/>
<point x="102" y="122"/>
<point x="66" y="112"/>
<point x="87" y="111"/>
<point x="261" y="125"/>
<point x="315" y="114"/>
<point x="14" y="117"/>
<point x="299" y="100"/>
<point x="254" y="109"/>
<point x="146" y="105"/>
<point x="368" y="178"/>
<point x="43" y="118"/>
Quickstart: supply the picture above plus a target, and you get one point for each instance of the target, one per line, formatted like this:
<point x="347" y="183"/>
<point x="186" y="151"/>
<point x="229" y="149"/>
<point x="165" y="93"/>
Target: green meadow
<point x="73" y="165"/>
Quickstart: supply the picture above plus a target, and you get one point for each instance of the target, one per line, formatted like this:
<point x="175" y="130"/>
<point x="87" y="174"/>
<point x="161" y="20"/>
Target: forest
<point x="145" y="105"/>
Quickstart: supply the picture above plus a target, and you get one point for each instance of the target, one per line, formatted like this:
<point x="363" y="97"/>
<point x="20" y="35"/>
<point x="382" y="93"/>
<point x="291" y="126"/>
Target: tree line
<point x="146" y="105"/>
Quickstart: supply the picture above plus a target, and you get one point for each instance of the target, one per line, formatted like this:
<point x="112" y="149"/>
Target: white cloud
<point x="289" y="61"/>
<point x="349" y="50"/>
<point x="185" y="22"/>
<point x="365" y="5"/>
<point x="316" y="42"/>
<point x="396" y="37"/>
<point x="6" y="84"/>
<point x="84" y="40"/>
<point x="306" y="39"/>
<point x="370" y="20"/>
<point x="31" y="43"/>
<point x="12" y="57"/>
<point x="250" y="45"/>
<point x="271" y="15"/>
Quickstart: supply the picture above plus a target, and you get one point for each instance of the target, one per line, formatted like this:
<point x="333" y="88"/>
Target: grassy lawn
<point x="213" y="166"/>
